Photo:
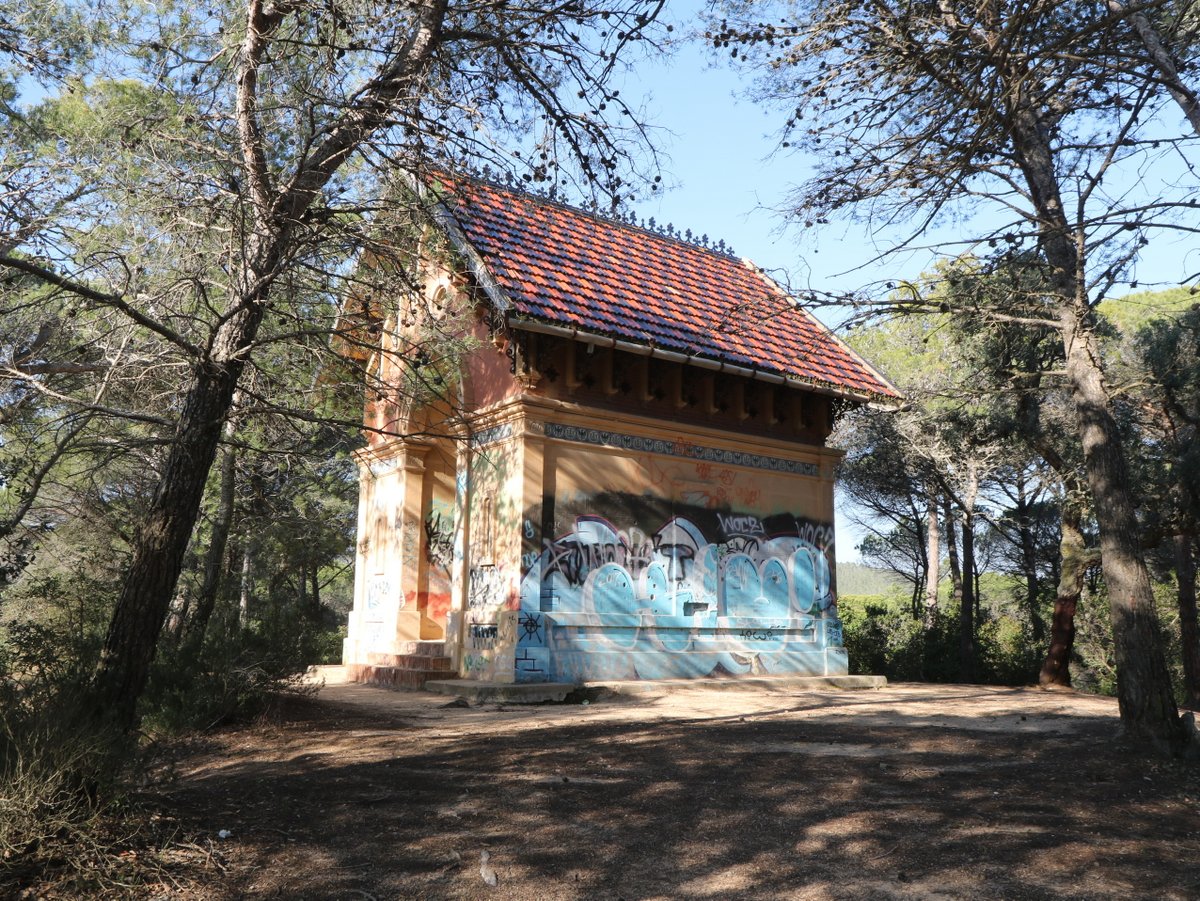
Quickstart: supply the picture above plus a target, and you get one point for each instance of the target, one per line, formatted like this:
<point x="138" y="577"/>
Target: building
<point x="629" y="477"/>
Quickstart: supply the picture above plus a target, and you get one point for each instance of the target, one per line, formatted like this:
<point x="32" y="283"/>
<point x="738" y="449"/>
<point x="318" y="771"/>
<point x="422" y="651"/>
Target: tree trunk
<point x="302" y="589"/>
<point x="145" y="597"/>
<point x="956" y="582"/>
<point x="967" y="611"/>
<point x="1029" y="565"/>
<point x="243" y="618"/>
<point x="275" y="207"/>
<point x="1144" y="693"/>
<point x="1189" y="634"/>
<point x="934" y="556"/>
<point x="214" y="561"/>
<point x="177" y="617"/>
<point x="1074" y="560"/>
<point x="315" y="593"/>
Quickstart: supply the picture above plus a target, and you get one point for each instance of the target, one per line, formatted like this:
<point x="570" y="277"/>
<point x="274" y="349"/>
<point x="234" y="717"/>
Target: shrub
<point x="884" y="640"/>
<point x="58" y="778"/>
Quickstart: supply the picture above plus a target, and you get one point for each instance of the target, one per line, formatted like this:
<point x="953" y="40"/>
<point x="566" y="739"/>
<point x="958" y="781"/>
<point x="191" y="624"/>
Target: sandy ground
<point x="913" y="792"/>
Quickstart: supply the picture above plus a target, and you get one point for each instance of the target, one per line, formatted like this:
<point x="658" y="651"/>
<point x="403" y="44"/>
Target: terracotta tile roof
<point x="558" y="265"/>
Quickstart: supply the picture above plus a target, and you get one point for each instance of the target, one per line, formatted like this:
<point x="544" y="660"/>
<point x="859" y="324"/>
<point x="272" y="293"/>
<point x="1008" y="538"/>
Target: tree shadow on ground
<point x="780" y="803"/>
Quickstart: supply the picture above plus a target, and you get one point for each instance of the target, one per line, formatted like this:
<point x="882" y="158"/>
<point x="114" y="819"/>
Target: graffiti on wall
<point x="490" y="646"/>
<point x="486" y="588"/>
<point x="741" y="594"/>
<point x="598" y="568"/>
<point x="439" y="539"/>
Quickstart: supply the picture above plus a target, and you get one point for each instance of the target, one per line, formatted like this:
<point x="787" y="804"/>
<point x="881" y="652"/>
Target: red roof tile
<point x="561" y="266"/>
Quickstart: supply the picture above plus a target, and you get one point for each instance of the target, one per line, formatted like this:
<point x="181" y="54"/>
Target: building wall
<point x="655" y="554"/>
<point x="602" y="516"/>
<point x="601" y="547"/>
<point x="493" y="553"/>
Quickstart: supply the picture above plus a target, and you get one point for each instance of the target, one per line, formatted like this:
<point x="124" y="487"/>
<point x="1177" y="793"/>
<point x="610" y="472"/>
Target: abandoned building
<point x="631" y="480"/>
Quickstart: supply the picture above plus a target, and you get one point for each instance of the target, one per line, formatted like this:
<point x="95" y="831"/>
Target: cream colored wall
<point x="493" y="566"/>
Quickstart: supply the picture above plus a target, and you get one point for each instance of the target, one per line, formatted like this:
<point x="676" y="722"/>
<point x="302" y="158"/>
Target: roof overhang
<point x="702" y="362"/>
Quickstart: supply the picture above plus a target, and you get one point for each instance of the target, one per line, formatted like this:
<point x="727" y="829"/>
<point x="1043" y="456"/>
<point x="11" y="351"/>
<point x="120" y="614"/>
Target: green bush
<point x="883" y="639"/>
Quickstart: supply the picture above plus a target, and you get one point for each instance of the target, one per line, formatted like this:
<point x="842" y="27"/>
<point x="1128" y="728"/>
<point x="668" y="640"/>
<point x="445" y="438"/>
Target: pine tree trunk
<point x="934" y="554"/>
<point x="956" y="582"/>
<point x="273" y="216"/>
<point x="315" y="593"/>
<point x="1029" y="567"/>
<point x="142" y="606"/>
<point x="1074" y="561"/>
<point x="1144" y="693"/>
<point x="968" y="608"/>
<point x="247" y="582"/>
<point x="214" y="561"/>
<point x="1189" y="633"/>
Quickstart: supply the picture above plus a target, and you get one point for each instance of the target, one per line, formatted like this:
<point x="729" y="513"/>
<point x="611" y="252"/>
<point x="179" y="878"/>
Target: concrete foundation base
<point x="479" y="692"/>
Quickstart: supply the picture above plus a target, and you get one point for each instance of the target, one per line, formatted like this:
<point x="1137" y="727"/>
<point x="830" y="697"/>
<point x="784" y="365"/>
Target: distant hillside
<point x="854" y="578"/>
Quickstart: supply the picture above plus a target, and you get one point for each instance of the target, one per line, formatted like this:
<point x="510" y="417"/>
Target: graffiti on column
<point x="439" y="539"/>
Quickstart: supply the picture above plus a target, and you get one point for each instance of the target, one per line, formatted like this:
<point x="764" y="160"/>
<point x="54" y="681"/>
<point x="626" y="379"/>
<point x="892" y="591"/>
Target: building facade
<point x="627" y="476"/>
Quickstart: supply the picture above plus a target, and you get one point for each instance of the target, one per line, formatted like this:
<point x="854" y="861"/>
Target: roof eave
<point x="703" y="362"/>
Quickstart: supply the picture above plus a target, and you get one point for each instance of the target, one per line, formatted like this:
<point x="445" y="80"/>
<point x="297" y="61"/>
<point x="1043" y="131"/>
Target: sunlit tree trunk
<point x="246" y="591"/>
<point x="934" y="555"/>
<point x="1075" y="558"/>
<point x="956" y="580"/>
<point x="967" y="611"/>
<point x="1144" y="692"/>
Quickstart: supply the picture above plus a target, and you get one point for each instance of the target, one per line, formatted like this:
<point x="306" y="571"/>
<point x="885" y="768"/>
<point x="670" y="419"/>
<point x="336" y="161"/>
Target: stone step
<point x="410" y="660"/>
<point x="422" y="648"/>
<point x="400" y="678"/>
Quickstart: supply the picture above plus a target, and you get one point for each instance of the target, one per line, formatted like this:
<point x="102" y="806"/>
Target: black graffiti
<point x="482" y="637"/>
<point x="485" y="587"/>
<point x="758" y="634"/>
<point x="531" y="626"/>
<point x="439" y="541"/>
<point x="574" y="558"/>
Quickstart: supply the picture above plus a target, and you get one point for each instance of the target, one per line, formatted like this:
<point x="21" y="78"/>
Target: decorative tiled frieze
<point x="686" y="450"/>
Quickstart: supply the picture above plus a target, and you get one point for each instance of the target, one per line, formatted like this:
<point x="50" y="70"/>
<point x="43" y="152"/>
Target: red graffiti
<point x="435" y="603"/>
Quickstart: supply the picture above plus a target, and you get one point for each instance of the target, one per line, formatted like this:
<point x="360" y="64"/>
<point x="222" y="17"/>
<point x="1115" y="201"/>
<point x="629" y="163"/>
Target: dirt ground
<point x="912" y="792"/>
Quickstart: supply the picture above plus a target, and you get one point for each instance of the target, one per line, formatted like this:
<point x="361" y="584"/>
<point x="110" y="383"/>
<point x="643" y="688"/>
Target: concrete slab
<point x="478" y="692"/>
<point x="759" y="683"/>
<point x="327" y="674"/>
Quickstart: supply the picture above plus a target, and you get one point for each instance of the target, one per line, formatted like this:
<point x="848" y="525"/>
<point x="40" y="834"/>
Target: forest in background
<point x="962" y="493"/>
